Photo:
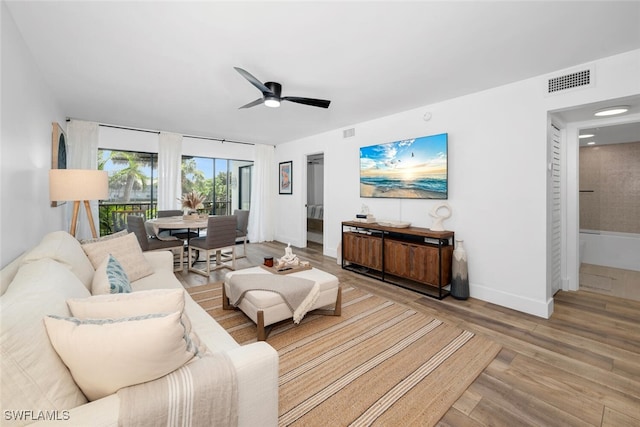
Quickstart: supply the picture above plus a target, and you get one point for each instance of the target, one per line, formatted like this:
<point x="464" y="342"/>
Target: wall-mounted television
<point x="409" y="169"/>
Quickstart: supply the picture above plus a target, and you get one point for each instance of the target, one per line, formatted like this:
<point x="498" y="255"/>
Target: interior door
<point x="554" y="206"/>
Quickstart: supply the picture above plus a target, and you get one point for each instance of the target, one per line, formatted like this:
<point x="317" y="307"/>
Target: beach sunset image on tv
<point x="409" y="169"/>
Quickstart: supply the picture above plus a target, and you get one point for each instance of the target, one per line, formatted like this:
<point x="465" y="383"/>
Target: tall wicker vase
<point x="460" y="281"/>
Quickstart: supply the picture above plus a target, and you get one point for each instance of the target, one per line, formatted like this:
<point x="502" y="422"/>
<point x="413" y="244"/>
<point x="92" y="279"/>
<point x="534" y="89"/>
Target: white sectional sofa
<point x="37" y="385"/>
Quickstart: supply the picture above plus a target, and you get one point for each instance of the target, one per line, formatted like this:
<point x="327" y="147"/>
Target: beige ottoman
<point x="265" y="308"/>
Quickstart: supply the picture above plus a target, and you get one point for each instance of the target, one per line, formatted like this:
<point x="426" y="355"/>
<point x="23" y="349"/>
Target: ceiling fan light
<point x="272" y="102"/>
<point x="612" y="111"/>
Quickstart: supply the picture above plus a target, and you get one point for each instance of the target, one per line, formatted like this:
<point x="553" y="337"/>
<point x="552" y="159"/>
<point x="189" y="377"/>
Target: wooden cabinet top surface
<point x="416" y="231"/>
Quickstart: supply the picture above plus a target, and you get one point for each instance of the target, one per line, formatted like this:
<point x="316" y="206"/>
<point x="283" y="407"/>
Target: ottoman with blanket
<point x="268" y="298"/>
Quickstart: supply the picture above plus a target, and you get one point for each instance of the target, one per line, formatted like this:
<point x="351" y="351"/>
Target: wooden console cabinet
<point x="414" y="258"/>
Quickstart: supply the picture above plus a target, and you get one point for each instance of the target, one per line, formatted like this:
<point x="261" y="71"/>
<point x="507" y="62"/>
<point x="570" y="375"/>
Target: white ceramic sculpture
<point x="437" y="218"/>
<point x="289" y="259"/>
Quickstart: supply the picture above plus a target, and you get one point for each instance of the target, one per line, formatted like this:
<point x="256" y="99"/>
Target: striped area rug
<point x="380" y="363"/>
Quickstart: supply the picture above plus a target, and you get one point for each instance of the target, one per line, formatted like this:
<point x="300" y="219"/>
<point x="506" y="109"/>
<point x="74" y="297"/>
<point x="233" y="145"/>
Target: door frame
<point x="572" y="202"/>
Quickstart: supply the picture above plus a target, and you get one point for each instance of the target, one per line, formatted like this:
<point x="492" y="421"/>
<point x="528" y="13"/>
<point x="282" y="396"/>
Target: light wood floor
<point x="581" y="367"/>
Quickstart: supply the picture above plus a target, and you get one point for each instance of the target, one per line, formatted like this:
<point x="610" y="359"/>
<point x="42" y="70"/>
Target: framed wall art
<point x="58" y="152"/>
<point x="284" y="179"/>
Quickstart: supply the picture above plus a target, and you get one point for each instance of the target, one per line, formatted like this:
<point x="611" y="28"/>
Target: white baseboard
<point x="531" y="306"/>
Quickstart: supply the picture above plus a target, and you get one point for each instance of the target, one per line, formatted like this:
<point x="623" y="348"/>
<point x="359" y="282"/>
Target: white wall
<point x="28" y="109"/>
<point x="497" y="178"/>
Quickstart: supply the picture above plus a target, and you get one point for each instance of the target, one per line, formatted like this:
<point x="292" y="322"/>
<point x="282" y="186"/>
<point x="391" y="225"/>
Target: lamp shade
<point x="78" y="184"/>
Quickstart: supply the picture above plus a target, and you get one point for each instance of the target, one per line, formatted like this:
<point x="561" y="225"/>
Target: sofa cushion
<point x="33" y="376"/>
<point x="110" y="278"/>
<point x="63" y="247"/>
<point x="126" y="250"/>
<point x="105" y="355"/>
<point x="127" y="305"/>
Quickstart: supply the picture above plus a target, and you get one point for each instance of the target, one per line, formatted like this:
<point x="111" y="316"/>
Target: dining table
<point x="178" y="223"/>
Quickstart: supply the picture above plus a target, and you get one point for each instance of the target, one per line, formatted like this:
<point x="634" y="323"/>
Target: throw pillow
<point x="127" y="305"/>
<point x="139" y="303"/>
<point x="63" y="247"/>
<point x="126" y="250"/>
<point x="107" y="237"/>
<point x="106" y="355"/>
<point x="110" y="278"/>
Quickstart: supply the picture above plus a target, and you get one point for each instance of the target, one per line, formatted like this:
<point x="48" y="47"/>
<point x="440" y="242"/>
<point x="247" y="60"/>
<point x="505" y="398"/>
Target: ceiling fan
<point x="271" y="94"/>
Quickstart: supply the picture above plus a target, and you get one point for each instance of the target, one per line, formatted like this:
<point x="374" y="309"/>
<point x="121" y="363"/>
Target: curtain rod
<point x="184" y="136"/>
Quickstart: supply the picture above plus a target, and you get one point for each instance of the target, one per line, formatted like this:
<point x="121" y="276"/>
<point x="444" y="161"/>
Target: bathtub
<point x="611" y="249"/>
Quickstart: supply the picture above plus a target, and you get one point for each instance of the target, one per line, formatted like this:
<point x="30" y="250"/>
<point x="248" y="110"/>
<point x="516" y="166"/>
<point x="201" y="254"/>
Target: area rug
<point x="380" y="363"/>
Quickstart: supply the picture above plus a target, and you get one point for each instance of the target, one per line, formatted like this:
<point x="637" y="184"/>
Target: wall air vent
<point x="578" y="79"/>
<point x="348" y="133"/>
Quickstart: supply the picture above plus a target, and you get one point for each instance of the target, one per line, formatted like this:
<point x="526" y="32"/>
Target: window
<point x="132" y="187"/>
<point x="218" y="180"/>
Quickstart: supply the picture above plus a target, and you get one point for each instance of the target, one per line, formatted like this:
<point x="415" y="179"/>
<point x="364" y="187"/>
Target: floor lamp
<point x="78" y="185"/>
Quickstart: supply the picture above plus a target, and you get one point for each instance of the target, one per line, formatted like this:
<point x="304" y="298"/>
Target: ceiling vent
<point x="566" y="81"/>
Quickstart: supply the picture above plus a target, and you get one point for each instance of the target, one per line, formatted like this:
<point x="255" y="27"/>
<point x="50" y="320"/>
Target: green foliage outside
<point x="130" y="177"/>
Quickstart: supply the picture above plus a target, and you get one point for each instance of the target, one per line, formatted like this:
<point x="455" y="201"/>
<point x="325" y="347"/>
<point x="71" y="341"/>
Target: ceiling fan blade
<point x="253" y="103"/>
<point x="323" y="103"/>
<point x="247" y="75"/>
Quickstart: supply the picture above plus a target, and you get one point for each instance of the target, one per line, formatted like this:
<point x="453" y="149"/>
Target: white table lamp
<point x="78" y="185"/>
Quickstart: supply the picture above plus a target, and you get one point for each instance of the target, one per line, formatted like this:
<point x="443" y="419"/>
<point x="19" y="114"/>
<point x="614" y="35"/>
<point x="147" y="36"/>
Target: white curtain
<point x="82" y="140"/>
<point x="265" y="175"/>
<point x="169" y="161"/>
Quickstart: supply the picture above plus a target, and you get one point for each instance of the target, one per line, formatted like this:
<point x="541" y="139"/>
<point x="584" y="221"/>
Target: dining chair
<point x="183" y="233"/>
<point x="135" y="224"/>
<point x="221" y="234"/>
<point x="119" y="218"/>
<point x="242" y="217"/>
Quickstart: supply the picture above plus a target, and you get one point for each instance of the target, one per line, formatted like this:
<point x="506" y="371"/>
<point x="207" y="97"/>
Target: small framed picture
<point x="285" y="177"/>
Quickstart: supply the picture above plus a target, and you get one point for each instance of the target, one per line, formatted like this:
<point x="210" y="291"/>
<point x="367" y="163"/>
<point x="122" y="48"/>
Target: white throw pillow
<point x="110" y="278"/>
<point x="115" y="306"/>
<point x="106" y="355"/>
<point x="32" y="374"/>
<point x="63" y="247"/>
<point x="126" y="250"/>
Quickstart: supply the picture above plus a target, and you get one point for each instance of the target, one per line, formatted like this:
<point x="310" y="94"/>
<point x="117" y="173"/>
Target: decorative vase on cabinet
<point x="459" y="270"/>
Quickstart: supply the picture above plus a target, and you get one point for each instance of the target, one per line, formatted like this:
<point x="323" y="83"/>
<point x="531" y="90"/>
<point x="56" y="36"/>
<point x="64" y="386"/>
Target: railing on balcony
<point x="113" y="214"/>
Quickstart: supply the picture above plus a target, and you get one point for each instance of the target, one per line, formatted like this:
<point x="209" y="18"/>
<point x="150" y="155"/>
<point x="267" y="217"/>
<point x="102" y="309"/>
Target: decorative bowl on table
<point x="394" y="223"/>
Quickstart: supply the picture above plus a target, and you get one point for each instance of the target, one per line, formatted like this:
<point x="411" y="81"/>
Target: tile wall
<point x="610" y="187"/>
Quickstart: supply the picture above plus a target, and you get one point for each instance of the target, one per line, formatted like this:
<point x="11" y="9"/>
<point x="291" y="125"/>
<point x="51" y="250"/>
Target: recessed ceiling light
<point x="591" y="143"/>
<point x="612" y="111"/>
<point x="586" y="135"/>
